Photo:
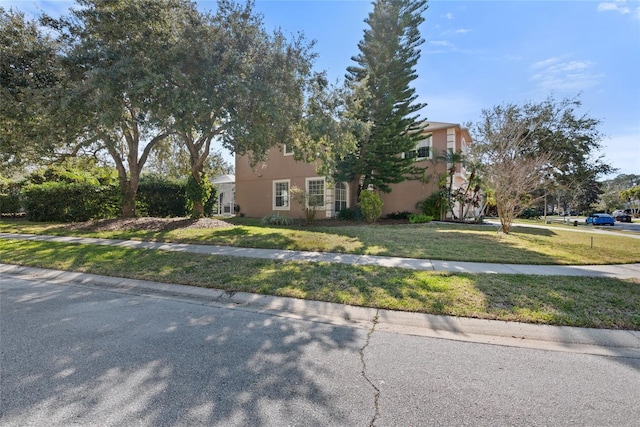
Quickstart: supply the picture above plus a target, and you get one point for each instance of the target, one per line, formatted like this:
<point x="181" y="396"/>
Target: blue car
<point x="600" y="219"/>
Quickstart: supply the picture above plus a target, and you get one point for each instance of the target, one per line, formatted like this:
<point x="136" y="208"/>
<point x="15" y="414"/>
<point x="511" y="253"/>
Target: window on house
<point x="340" y="197"/>
<point x="281" y="195"/>
<point x="422" y="151"/>
<point x="315" y="190"/>
<point x="287" y="150"/>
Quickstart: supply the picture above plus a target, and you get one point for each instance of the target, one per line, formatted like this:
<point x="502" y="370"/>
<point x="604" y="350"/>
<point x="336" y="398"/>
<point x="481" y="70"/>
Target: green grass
<point x="479" y="243"/>
<point x="574" y="301"/>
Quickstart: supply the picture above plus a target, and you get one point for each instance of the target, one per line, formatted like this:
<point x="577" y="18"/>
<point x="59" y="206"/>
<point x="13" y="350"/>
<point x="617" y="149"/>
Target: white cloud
<point x="558" y="74"/>
<point x="449" y="16"/>
<point x="545" y="63"/>
<point x="440" y="43"/>
<point x="621" y="7"/>
<point x="463" y="31"/>
<point x="618" y="6"/>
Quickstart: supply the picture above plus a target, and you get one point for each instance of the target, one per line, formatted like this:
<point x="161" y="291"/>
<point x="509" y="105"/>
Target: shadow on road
<point x="88" y="356"/>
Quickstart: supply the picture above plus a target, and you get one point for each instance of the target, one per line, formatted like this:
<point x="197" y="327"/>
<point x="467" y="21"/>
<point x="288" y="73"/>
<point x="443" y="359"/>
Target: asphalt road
<point x="628" y="226"/>
<point x="80" y="355"/>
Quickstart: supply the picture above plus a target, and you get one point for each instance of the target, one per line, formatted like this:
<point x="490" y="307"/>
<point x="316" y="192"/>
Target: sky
<point x="478" y="54"/>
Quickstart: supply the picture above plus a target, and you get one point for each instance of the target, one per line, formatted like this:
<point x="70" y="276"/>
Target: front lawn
<point x="438" y="241"/>
<point x="553" y="300"/>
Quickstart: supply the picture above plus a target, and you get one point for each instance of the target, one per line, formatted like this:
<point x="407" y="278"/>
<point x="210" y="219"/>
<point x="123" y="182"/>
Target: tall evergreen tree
<point x="383" y="102"/>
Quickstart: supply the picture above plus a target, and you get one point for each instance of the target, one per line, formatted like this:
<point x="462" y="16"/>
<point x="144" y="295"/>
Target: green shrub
<point x="69" y="202"/>
<point x="530" y="213"/>
<point x="419" y="218"/>
<point x="160" y="197"/>
<point x="398" y="215"/>
<point x="211" y="205"/>
<point x="276" y="219"/>
<point x="198" y="193"/>
<point x="9" y="204"/>
<point x="74" y="174"/>
<point x="9" y="196"/>
<point x="434" y="205"/>
<point x="370" y="204"/>
<point x="349" y="215"/>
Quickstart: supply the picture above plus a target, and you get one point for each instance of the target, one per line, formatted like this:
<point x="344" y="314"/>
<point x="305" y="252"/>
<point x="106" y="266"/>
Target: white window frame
<point x="346" y="196"/>
<point x="427" y="142"/>
<point x="287" y="198"/>
<point x="285" y="152"/>
<point x="307" y="181"/>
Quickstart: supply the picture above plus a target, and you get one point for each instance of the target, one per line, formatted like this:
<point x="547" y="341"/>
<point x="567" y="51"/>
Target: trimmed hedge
<point x="162" y="198"/>
<point x="159" y="197"/>
<point x="77" y="202"/>
<point x="9" y="204"/>
<point x="69" y="202"/>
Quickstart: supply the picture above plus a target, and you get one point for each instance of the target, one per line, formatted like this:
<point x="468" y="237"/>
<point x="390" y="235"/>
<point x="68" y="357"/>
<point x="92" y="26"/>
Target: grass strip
<point x="553" y="300"/>
<point x="477" y="243"/>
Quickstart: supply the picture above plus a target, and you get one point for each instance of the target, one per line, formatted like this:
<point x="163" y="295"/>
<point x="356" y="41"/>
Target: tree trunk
<point x="128" y="200"/>
<point x="198" y="210"/>
<point x="198" y="206"/>
<point x="354" y="191"/>
<point x="505" y="212"/>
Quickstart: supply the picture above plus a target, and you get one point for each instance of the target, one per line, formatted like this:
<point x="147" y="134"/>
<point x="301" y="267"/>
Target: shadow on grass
<point x="533" y="231"/>
<point x="464" y="243"/>
<point x="427" y="241"/>
<point x="556" y="300"/>
<point x="445" y="242"/>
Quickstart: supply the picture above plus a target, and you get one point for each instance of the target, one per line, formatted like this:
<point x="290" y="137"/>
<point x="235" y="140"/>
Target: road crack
<point x="376" y="396"/>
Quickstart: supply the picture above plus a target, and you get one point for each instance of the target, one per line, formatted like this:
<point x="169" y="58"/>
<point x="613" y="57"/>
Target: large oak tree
<point x="120" y="57"/>
<point x="31" y="78"/>
<point x="237" y="86"/>
<point x="150" y="70"/>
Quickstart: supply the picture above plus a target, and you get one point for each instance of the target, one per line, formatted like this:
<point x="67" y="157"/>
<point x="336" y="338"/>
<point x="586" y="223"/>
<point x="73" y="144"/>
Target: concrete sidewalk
<point x="621" y="271"/>
<point x="603" y="342"/>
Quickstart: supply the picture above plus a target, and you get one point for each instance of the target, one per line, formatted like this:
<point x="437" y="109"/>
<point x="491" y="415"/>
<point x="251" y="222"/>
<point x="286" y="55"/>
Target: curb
<point x="603" y="342"/>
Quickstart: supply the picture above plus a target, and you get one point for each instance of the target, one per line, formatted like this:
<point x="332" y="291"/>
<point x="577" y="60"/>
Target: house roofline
<point x="440" y="125"/>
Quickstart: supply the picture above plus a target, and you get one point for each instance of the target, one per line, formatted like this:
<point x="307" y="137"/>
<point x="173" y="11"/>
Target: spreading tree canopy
<point x="237" y="85"/>
<point x="527" y="147"/>
<point x="120" y="55"/>
<point x="383" y="103"/>
<point x="574" y="139"/>
<point x="143" y="74"/>
<point x="31" y="76"/>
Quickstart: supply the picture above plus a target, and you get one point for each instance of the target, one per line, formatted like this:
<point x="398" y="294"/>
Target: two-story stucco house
<point x="266" y="188"/>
